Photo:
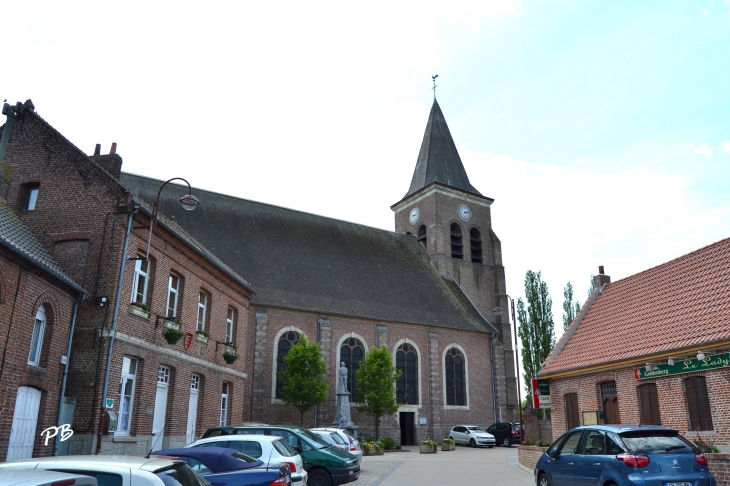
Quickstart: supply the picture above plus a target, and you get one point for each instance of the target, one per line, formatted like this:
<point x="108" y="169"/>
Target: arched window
<point x="476" y="246"/>
<point x="455" y="378"/>
<point x="36" y="343"/>
<point x="422" y="235"/>
<point x="352" y="353"/>
<point x="286" y="341"/>
<point x="457" y="247"/>
<point x="406" y="361"/>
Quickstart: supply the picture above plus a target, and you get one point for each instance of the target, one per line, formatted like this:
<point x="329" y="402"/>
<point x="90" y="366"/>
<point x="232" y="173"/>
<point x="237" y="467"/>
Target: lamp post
<point x="498" y="312"/>
<point x="188" y="202"/>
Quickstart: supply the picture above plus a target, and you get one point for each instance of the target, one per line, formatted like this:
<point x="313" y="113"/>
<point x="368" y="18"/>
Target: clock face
<point x="413" y="217"/>
<point x="464" y="213"/>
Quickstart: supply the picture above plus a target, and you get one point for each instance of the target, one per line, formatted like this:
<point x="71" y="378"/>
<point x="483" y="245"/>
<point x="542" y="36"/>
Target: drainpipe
<point x="114" y="327"/>
<point x="8" y="111"/>
<point x="61" y="404"/>
<point x="319" y="338"/>
<point x="491" y="360"/>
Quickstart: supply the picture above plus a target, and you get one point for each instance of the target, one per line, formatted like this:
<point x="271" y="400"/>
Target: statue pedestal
<point x="342" y="415"/>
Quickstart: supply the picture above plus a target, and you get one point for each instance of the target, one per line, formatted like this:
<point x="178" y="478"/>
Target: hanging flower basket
<point x="172" y="336"/>
<point x="230" y="358"/>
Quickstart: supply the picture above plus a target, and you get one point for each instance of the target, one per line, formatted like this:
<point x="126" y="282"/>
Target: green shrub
<point x="388" y="443"/>
<point x="528" y="442"/>
<point x="448" y="441"/>
<point x="544" y="443"/>
<point x="705" y="446"/>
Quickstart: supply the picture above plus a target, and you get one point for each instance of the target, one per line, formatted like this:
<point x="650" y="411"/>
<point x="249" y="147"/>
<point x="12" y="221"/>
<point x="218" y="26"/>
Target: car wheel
<point x="472" y="443"/>
<point x="506" y="442"/>
<point x="319" y="477"/>
<point x="543" y="481"/>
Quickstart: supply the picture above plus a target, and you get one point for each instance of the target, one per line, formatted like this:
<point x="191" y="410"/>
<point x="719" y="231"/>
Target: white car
<point x="117" y="470"/>
<point x="472" y="435"/>
<point x="272" y="450"/>
<point x="38" y="477"/>
<point x="349" y="443"/>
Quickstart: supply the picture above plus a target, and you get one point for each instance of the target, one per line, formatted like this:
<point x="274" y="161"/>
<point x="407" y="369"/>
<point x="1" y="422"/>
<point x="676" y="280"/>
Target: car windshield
<point x="314" y="438"/>
<point x="476" y="429"/>
<point x="657" y="442"/>
<point x="181" y="475"/>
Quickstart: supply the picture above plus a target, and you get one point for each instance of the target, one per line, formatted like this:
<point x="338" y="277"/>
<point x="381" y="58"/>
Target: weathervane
<point x="433" y="78"/>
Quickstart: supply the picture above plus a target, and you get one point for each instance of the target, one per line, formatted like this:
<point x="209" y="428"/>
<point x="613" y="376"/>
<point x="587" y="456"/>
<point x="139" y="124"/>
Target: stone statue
<point x="342" y="379"/>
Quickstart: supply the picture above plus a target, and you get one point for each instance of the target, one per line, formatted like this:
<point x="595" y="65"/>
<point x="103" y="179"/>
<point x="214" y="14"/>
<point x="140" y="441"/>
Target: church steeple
<point x="438" y="160"/>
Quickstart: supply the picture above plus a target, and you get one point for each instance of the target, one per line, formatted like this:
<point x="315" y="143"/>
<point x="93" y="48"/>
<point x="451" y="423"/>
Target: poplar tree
<point x="375" y="391"/>
<point x="537" y="328"/>
<point x="570" y="308"/>
<point x="303" y="380"/>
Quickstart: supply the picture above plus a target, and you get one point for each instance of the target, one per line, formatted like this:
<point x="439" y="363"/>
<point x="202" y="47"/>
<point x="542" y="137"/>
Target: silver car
<point x="272" y="450"/>
<point x="472" y="435"/>
<point x="352" y="445"/>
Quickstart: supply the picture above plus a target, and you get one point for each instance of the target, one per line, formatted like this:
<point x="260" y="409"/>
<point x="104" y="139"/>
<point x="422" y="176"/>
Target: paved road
<point x="462" y="466"/>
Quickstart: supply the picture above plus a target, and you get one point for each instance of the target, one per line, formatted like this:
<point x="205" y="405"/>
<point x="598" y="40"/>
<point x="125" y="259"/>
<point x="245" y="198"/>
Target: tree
<point x="537" y="329"/>
<point x="592" y="287"/>
<point x="570" y="308"/>
<point x="303" y="380"/>
<point x="376" y="379"/>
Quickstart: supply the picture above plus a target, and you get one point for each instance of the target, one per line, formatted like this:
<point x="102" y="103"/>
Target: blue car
<point x="228" y="467"/>
<point x="623" y="455"/>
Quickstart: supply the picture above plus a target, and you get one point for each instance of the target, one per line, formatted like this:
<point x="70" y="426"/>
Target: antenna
<point x="433" y="78"/>
<point x="155" y="442"/>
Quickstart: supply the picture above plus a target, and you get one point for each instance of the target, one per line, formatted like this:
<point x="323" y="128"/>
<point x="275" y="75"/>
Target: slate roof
<point x="306" y="262"/>
<point x="681" y="303"/>
<point x="20" y="240"/>
<point x="438" y="159"/>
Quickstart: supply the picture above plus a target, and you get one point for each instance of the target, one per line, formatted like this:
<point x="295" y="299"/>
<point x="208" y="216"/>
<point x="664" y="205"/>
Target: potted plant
<point x="172" y="323"/>
<point x="428" y="446"/>
<point x="372" y="448"/>
<point x="202" y="336"/>
<point x="448" y="444"/>
<point x="172" y="336"/>
<point x="139" y="309"/>
<point x="230" y="355"/>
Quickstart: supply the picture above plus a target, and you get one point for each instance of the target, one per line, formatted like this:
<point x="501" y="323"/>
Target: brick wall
<point x="529" y="455"/>
<point x="720" y="468"/>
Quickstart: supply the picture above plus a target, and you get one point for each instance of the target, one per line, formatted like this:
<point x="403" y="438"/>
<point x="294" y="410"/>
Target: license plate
<point x="683" y="483"/>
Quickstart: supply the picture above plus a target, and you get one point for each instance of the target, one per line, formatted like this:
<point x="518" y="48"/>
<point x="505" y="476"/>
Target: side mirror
<point x="298" y="449"/>
<point x="554" y="453"/>
<point x="468" y="432"/>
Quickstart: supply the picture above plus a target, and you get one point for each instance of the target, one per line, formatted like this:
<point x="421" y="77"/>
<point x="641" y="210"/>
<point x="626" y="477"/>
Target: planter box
<point x="172" y="325"/>
<point x="138" y="311"/>
<point x="428" y="449"/>
<point x="445" y="446"/>
<point x="371" y="451"/>
<point x="202" y="338"/>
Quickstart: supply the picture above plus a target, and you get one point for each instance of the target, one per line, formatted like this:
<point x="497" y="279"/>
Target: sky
<point x="601" y="129"/>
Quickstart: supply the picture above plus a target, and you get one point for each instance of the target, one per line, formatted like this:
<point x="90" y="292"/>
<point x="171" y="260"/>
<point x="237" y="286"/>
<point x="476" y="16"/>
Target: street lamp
<point x="188" y="202"/>
<point x="498" y="312"/>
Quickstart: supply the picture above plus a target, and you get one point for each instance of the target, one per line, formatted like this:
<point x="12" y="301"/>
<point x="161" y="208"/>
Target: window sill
<point x="123" y="438"/>
<point x="699" y="432"/>
<point x="456" y="407"/>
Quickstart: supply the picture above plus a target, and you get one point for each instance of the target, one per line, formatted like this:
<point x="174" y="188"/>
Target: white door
<point x="192" y="410"/>
<point x="158" y="421"/>
<point x="25" y="420"/>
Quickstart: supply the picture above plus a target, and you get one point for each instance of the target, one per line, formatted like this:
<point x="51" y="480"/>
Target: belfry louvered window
<point x="286" y="341"/>
<point x="457" y="247"/>
<point x="406" y="361"/>
<point x="455" y="374"/>
<point x="476" y="246"/>
<point x="422" y="235"/>
<point x="352" y="352"/>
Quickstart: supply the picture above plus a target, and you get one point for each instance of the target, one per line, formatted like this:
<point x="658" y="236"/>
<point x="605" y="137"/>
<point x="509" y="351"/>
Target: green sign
<point x="684" y="366"/>
<point x="109" y="403"/>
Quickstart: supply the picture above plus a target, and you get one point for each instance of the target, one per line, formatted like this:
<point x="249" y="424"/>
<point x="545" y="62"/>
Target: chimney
<point x="601" y="279"/>
<point x="111" y="162"/>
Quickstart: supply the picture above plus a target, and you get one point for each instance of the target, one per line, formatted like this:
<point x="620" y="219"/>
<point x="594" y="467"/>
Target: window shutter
<point x="571" y="410"/>
<point x="703" y="403"/>
<point x="649" y="402"/>
<point x="691" y="394"/>
<point x="654" y="401"/>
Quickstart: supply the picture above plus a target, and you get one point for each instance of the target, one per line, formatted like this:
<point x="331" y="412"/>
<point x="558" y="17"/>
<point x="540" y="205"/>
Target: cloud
<point x="704" y="149"/>
<point x="726" y="145"/>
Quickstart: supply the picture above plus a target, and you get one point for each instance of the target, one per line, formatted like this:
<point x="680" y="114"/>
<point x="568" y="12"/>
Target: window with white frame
<point x="230" y="325"/>
<point x="141" y="279"/>
<point x="36" y="342"/>
<point x="126" y="398"/>
<point x="173" y="289"/>
<point x="224" y="405"/>
<point x="202" y="310"/>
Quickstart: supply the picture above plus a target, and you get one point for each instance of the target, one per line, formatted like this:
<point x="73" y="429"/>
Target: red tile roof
<point x="681" y="303"/>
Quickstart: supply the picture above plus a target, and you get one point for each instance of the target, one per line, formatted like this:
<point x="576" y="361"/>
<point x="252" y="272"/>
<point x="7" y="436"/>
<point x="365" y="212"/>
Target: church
<point x="426" y="290"/>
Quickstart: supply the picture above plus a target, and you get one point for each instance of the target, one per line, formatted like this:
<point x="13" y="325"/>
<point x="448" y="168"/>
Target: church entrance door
<point x="407" y="428"/>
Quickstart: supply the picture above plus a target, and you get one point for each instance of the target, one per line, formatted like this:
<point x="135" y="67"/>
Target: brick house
<point x="653" y="348"/>
<point x="97" y="230"/>
<point x="426" y="291"/>
<point x="37" y="309"/>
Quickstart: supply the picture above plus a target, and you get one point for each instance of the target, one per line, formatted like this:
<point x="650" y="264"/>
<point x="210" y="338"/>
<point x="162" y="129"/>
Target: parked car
<point x="273" y="451"/>
<point x="623" y="455"/>
<point x="505" y="433"/>
<point x="228" y="466"/>
<point x="351" y="444"/>
<point x="471" y="435"/>
<point x="118" y="470"/>
<point x="326" y="465"/>
<point x="39" y="477"/>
